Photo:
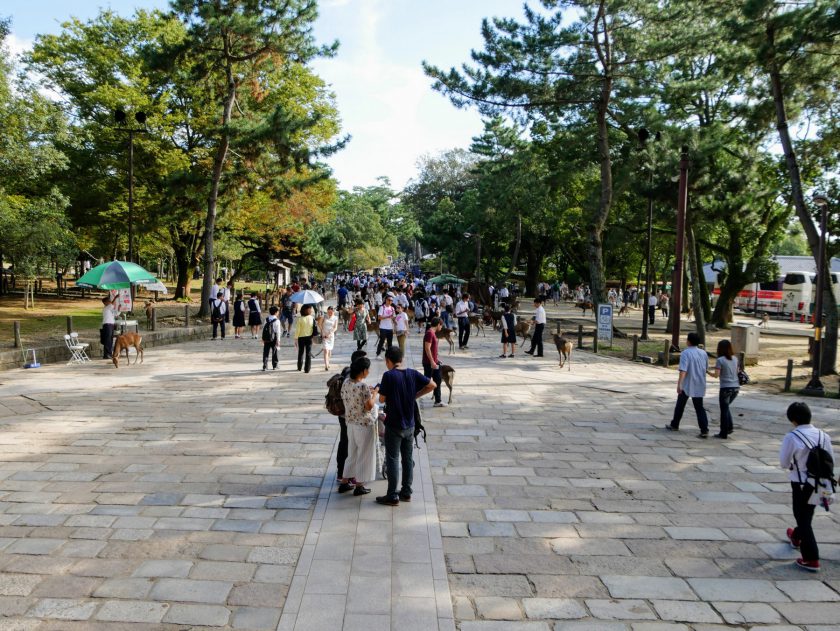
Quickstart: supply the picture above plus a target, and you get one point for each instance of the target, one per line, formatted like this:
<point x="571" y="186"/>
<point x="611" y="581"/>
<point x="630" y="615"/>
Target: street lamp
<point x="644" y="135"/>
<point x="122" y="120"/>
<point x="676" y="285"/>
<point x="815" y="386"/>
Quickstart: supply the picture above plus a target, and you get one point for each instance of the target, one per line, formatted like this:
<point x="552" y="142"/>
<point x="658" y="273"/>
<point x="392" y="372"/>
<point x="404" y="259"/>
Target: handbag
<point x="743" y="377"/>
<point x="352" y="324"/>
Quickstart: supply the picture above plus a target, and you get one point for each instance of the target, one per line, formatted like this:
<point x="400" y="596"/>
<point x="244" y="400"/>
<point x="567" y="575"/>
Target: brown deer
<point x="523" y="328"/>
<point x="478" y="323"/>
<point x="564" y="348"/>
<point x="446" y="334"/>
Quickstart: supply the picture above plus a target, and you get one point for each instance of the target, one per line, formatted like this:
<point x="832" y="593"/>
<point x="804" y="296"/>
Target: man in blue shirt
<point x="342" y="296"/>
<point x="694" y="363"/>
<point x="399" y="390"/>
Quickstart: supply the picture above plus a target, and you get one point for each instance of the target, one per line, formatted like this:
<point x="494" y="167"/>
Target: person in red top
<point x="431" y="365"/>
<point x="295" y="287"/>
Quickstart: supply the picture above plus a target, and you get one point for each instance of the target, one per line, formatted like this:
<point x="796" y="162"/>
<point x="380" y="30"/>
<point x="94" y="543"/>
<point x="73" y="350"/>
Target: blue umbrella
<point x="307" y="297"/>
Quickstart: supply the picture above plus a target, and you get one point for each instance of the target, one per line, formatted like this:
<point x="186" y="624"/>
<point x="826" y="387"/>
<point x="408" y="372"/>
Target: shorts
<point x="286" y="316"/>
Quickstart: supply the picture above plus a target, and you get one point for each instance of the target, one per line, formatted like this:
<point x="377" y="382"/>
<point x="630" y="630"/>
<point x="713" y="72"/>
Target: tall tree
<point x="235" y="48"/>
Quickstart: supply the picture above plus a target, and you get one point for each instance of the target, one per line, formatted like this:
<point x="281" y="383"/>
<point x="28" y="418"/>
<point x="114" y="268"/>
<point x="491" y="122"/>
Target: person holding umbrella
<point x="304" y="330"/>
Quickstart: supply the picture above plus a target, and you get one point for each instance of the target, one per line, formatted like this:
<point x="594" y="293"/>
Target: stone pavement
<point x="194" y="492"/>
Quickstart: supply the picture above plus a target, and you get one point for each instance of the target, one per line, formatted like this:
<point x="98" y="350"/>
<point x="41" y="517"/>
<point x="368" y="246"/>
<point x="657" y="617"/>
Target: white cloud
<point x="18" y="45"/>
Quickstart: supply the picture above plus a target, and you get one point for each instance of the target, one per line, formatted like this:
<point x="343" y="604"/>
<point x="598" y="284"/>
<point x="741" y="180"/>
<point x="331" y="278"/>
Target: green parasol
<point x="447" y="278"/>
<point x="115" y="275"/>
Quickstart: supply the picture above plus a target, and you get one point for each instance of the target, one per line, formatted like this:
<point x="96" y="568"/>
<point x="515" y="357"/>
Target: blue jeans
<point x="399" y="445"/>
<point x="725" y="398"/>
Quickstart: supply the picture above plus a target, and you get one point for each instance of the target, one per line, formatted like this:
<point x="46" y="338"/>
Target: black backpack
<point x="216" y="315"/>
<point x="820" y="464"/>
<point x="333" y="401"/>
<point x="268" y="335"/>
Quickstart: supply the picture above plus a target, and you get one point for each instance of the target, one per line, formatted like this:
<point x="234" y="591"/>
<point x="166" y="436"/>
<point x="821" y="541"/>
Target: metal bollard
<point x="69" y="325"/>
<point x="186" y="315"/>
<point x="635" y="347"/>
<point x="789" y="375"/>
<point x="595" y="342"/>
<point x="580" y="336"/>
<point x="666" y="357"/>
<point x="741" y="359"/>
<point x="17" y="333"/>
<point x="154" y="319"/>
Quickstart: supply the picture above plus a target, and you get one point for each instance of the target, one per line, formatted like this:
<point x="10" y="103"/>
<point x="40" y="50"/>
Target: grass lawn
<point x="48" y="320"/>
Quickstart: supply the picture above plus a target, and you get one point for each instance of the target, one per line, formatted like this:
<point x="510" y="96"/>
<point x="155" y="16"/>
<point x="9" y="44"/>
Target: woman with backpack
<point x="726" y="369"/>
<point x="800" y="447"/>
<point x="254" y="315"/>
<point x="360" y="414"/>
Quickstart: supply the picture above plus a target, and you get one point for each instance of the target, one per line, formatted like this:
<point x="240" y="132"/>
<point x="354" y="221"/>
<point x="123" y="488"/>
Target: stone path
<point x="194" y="492"/>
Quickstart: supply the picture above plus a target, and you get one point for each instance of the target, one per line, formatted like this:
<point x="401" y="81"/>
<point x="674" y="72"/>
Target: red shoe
<point x="811" y="566"/>
<point x="794" y="542"/>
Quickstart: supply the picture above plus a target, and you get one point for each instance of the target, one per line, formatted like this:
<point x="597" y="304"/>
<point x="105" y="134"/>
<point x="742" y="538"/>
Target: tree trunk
<point x="698" y="285"/>
<point x="515" y="257"/>
<point x="185" y="264"/>
<point x="829" y="344"/>
<point x="597" y="281"/>
<point x="532" y="271"/>
<point x="212" y="201"/>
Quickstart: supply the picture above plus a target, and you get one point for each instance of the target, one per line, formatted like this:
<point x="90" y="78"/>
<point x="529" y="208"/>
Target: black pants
<point x="803" y="513"/>
<point x="725" y="398"/>
<point x="360" y="344"/>
<point x="107" y="339"/>
<point x="304" y="353"/>
<point x="385" y="336"/>
<point x="341" y="455"/>
<point x="463" y="332"/>
<point x="537" y="341"/>
<point x="216" y="325"/>
<point x="702" y="419"/>
<point x="434" y="374"/>
<point x="651" y="314"/>
<point x="269" y="347"/>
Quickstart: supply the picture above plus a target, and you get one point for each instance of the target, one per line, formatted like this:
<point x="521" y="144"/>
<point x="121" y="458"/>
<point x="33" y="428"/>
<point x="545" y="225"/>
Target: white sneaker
<point x="440" y="404"/>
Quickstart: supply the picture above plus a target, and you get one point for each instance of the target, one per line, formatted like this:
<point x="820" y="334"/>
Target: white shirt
<point x="793" y="455"/>
<point x="539" y="315"/>
<point x="214" y="291"/>
<point x="109" y="314"/>
<point x="402" y="322"/>
<point x="402" y="300"/>
<point x="386" y="323"/>
<point x="219" y="303"/>
<point x="462" y="309"/>
<point x="275" y="325"/>
<point x="226" y="295"/>
<point x="447" y="300"/>
<point x="652" y="301"/>
<point x="503" y="292"/>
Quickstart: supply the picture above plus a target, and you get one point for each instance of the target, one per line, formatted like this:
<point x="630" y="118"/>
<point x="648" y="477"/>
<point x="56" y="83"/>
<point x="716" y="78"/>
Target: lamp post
<point x="122" y="119"/>
<point x="644" y="135"/>
<point x="815" y="387"/>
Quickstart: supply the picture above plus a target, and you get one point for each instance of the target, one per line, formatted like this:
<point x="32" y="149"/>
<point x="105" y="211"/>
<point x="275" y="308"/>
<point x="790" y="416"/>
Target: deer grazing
<point x="564" y="348"/>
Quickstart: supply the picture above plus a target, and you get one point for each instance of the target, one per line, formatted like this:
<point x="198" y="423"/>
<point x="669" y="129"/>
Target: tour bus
<point x="756" y="297"/>
<point x="800" y="291"/>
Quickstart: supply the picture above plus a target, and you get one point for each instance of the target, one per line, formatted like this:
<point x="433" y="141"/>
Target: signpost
<point x="605" y="324"/>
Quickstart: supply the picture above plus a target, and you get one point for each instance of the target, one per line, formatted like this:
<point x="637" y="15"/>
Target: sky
<point x="385" y="101"/>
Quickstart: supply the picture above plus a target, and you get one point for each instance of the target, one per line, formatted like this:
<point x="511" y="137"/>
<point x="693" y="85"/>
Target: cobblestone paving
<point x="170" y="495"/>
<point x="179" y="495"/>
<point x="564" y="504"/>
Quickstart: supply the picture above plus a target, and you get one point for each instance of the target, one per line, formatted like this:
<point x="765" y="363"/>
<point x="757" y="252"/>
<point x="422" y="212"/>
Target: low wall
<point x="58" y="353"/>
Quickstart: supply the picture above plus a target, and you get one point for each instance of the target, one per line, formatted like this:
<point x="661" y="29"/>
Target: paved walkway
<point x="195" y="492"/>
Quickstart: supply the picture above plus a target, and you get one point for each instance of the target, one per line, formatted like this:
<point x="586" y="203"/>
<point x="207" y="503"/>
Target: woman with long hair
<point x="360" y="414"/>
<point x="726" y="369"/>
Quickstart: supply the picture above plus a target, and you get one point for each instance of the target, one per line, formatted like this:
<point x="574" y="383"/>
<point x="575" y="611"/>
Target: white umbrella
<point x="307" y="297"/>
<point x="155" y="286"/>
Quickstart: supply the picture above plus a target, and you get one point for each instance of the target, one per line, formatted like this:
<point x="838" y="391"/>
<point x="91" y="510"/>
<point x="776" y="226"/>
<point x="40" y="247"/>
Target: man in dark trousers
<point x="398" y="391"/>
<point x="539" y="326"/>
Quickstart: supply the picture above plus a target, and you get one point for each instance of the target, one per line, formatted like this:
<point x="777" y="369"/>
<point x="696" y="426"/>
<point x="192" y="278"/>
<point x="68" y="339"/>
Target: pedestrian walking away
<point x="539" y="326"/>
<point x="793" y="457"/>
<point x="360" y="413"/>
<point x="254" y="314"/>
<point x="218" y="310"/>
<point x="726" y="369"/>
<point x="304" y="330"/>
<point x="508" y="331"/>
<point x="271" y="338"/>
<point x="399" y="390"/>
<point x="431" y="363"/>
<point x="694" y="363"/>
<point x="360" y="324"/>
<point x="462" y="312"/>
<point x="238" y="316"/>
<point x="651" y="307"/>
